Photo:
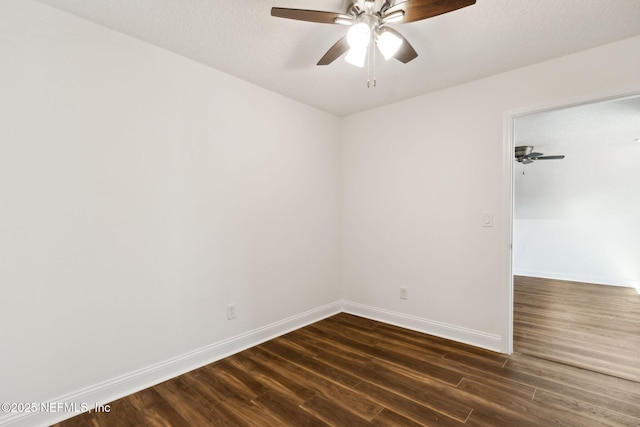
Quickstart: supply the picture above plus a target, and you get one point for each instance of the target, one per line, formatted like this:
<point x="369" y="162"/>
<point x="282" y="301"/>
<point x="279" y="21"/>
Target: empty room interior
<point x="246" y="214"/>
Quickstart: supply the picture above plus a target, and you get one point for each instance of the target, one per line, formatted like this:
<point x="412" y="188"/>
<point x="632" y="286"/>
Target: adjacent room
<point x="576" y="229"/>
<point x="239" y="214"/>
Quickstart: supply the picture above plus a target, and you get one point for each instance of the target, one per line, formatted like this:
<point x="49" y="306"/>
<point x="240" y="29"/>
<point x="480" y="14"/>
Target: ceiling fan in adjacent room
<point x="525" y="155"/>
<point x="369" y="20"/>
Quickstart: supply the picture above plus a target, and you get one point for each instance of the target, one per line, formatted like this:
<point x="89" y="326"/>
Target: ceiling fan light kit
<point x="359" y="36"/>
<point x="357" y="55"/>
<point x="368" y="20"/>
<point x="388" y="43"/>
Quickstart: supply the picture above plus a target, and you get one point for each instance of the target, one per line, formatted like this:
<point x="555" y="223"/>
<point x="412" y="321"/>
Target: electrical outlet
<point x="403" y="293"/>
<point x="231" y="311"/>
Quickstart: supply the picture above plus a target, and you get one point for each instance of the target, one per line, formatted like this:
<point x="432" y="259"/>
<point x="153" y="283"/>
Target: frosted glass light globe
<point x="357" y="56"/>
<point x="388" y="43"/>
<point x="359" y="35"/>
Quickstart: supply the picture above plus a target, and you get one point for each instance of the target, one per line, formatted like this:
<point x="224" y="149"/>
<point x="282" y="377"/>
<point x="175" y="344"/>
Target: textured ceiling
<point x="242" y="39"/>
<point x="596" y="126"/>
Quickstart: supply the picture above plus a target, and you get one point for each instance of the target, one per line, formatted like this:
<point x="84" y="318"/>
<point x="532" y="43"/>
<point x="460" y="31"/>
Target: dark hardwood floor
<point x="595" y="327"/>
<point x="350" y="371"/>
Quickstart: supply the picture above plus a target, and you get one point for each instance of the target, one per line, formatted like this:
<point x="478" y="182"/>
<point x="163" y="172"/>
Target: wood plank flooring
<point x="595" y="327"/>
<point x="350" y="371"/>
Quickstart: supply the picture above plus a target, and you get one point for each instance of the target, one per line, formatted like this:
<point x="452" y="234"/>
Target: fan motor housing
<point x="523" y="150"/>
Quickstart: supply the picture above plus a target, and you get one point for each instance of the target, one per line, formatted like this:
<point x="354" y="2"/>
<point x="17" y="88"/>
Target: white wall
<point x="140" y="193"/>
<point x="418" y="176"/>
<point x="579" y="218"/>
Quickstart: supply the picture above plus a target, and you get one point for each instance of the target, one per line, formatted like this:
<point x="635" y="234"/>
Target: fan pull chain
<point x="369" y="66"/>
<point x="373" y="48"/>
<point x="371" y="52"/>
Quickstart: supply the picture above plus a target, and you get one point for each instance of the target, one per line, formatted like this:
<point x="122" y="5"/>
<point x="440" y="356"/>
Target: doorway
<point x="575" y="230"/>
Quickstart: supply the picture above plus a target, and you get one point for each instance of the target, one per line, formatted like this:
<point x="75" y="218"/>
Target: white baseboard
<point x="132" y="382"/>
<point x="598" y="280"/>
<point x="456" y="333"/>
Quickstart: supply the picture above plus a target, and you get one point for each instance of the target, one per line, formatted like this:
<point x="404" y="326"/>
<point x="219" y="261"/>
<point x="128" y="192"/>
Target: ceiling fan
<point x="525" y="155"/>
<point x="369" y="20"/>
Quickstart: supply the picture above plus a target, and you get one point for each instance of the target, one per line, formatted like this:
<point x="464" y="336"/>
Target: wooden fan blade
<point x="334" y="53"/>
<point x="417" y="10"/>
<point x="406" y="52"/>
<point x="307" y="15"/>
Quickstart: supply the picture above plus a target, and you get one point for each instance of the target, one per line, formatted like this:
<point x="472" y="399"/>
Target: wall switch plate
<point x="231" y="311"/>
<point x="487" y="219"/>
<point x="403" y="293"/>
